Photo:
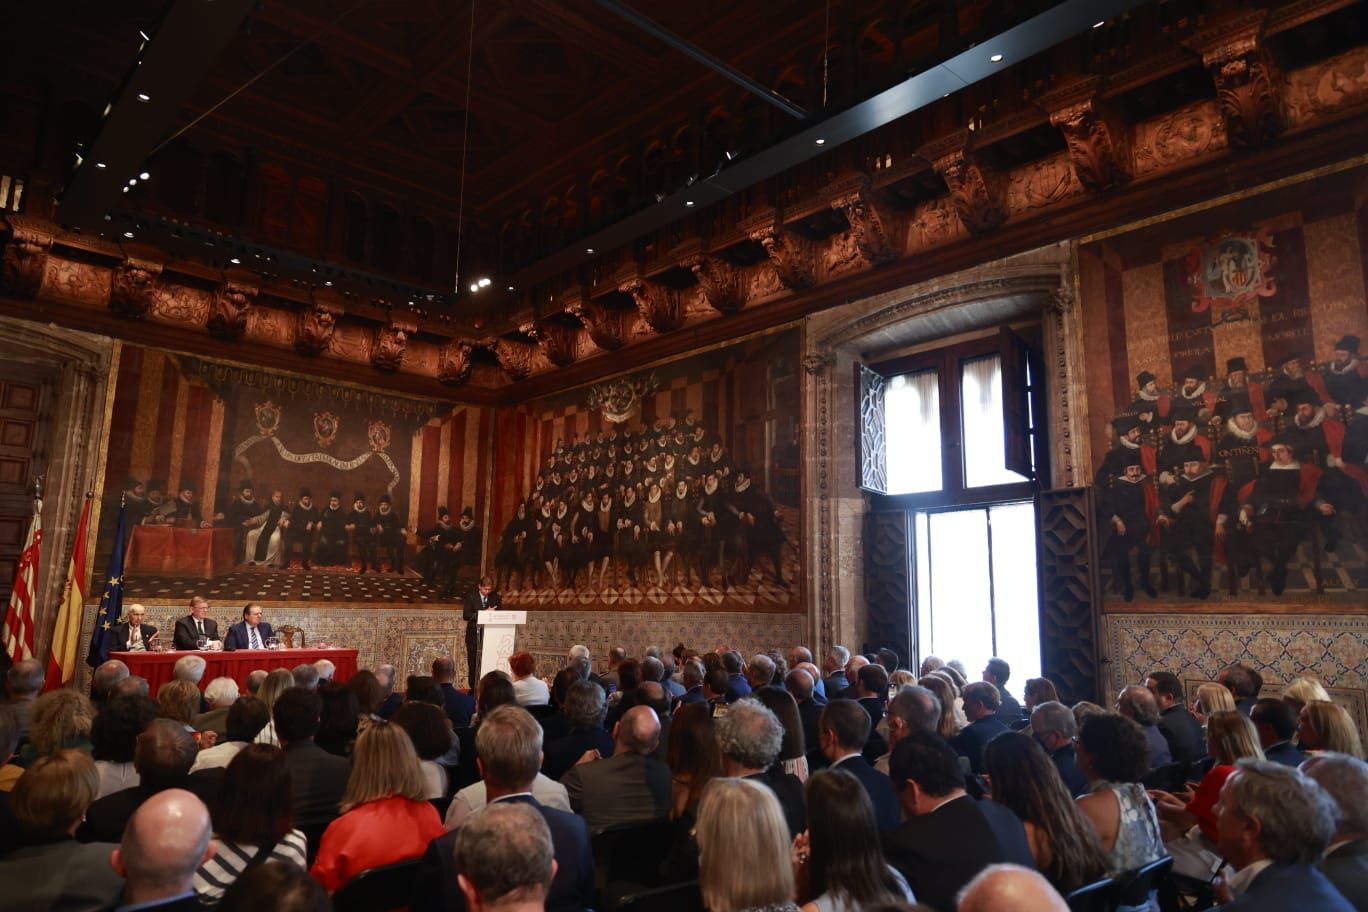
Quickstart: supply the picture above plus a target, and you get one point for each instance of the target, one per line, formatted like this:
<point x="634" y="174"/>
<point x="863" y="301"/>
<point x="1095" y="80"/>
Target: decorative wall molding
<point x="659" y="306"/>
<point x="24" y="262"/>
<point x="317" y="324"/>
<point x="230" y="305"/>
<point x="389" y="345"/>
<point x="134" y="287"/>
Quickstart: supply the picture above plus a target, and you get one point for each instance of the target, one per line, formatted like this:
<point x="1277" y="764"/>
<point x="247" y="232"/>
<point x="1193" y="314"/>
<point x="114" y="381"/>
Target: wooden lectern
<point x="498" y="643"/>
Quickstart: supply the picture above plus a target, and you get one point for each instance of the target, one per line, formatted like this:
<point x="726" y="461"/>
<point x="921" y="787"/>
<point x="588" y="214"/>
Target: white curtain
<point x="981" y="403"/>
<point x="912" y="433"/>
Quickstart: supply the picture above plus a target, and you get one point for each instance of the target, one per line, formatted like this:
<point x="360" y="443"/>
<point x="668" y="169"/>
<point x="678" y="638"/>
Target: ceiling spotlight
<point x="143" y="96"/>
<point x="132" y="181"/>
<point x="144" y="176"/>
<point x="474" y="287"/>
<point x="510" y="288"/>
<point x="125" y="189"/>
<point x="128" y="234"/>
<point x="484" y="282"/>
<point x="996" y="58"/>
<point x="235" y="261"/>
<point x="688" y="202"/>
<point x="1099" y="23"/>
<point x="101" y="165"/>
<point x="820" y="142"/>
<point x="589" y="250"/>
<point x="731" y="156"/>
<point x="328" y="282"/>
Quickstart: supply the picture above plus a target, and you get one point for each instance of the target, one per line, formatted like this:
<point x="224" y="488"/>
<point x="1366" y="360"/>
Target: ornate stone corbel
<point x="514" y="357"/>
<point x="454" y="363"/>
<point x="660" y="307"/>
<point x="1097" y="139"/>
<point x="1248" y="84"/>
<point x="794" y="257"/>
<point x="719" y="280"/>
<point x="978" y="190"/>
<point x="559" y="342"/>
<point x="316" y="325"/>
<point x="605" y="324"/>
<point x="25" y="258"/>
<point x="1060" y="301"/>
<point x="389" y="344"/>
<point x="229" y="307"/>
<point x="818" y="362"/>
<point x="133" y="287"/>
<point x="871" y="228"/>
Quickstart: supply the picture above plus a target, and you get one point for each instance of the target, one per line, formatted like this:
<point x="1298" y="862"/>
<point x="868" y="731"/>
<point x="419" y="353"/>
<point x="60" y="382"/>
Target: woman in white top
<point x="276" y="683"/>
<point x="253" y="821"/>
<point x="113" y="738"/>
<point x="430" y="731"/>
<point x="530" y="689"/>
<point x="246" y="718"/>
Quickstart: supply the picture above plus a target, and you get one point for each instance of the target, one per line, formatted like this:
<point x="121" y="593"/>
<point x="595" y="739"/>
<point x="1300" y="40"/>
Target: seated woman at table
<point x="131" y="634"/>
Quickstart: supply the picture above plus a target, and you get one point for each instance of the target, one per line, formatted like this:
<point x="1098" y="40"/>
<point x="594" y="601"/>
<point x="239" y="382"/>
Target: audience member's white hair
<point x="579" y="650"/>
<point x="326" y="669"/>
<point x="221" y="691"/>
<point x="1010" y="888"/>
<point x="189" y="668"/>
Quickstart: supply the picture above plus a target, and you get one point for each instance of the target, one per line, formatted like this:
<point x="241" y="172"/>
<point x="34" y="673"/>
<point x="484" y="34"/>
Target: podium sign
<point x="498" y="638"/>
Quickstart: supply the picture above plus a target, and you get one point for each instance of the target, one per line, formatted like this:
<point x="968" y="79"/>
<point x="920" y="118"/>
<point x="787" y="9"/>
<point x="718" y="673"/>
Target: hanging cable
<point x="826" y="54"/>
<point x="465" y="147"/>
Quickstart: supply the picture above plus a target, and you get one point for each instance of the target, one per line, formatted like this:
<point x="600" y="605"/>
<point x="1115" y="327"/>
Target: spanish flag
<point x="61" y="667"/>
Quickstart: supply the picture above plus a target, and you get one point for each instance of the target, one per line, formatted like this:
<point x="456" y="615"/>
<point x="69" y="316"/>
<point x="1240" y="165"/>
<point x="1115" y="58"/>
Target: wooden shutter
<point x="1017" y="366"/>
<point x="869" y="434"/>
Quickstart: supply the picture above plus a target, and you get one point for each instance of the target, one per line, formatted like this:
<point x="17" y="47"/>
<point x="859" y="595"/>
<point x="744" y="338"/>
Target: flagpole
<point x="66" y="632"/>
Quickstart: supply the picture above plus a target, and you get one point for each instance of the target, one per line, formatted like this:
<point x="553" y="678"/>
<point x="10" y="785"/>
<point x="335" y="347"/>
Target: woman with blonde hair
<point x="1302" y="691"/>
<point x="276" y="683"/>
<point x="1230" y="737"/>
<point x="1212" y="698"/>
<point x="1326" y="726"/>
<point x="179" y="701"/>
<point x="385" y="814"/>
<point x="739" y="812"/>
<point x="899" y="678"/>
<point x="947" y="727"/>
<point x="61" y="719"/>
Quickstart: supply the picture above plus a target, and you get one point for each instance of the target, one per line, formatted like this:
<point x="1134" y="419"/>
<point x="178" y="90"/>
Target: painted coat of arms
<point x="1229" y="273"/>
<point x="325" y="428"/>
<point x="378" y="433"/>
<point x="267" y="418"/>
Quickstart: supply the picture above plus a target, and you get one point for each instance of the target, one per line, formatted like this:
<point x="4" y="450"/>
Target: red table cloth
<point x="169" y="551"/>
<point x="157" y="667"/>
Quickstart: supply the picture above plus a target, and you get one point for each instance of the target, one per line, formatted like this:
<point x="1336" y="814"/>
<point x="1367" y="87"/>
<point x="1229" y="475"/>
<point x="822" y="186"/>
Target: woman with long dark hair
<point x="793" y="750"/>
<point x="692" y="756"/>
<point x="834" y="857"/>
<point x="1065" y="846"/>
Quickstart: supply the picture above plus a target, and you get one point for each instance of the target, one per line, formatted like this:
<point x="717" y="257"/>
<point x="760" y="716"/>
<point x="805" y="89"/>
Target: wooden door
<point x="25" y="407"/>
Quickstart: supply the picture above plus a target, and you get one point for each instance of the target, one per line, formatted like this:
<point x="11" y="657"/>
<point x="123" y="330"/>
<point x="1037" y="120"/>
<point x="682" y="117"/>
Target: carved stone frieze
<point x="454" y="363"/>
<point x="316" y="326"/>
<point x="514" y="357"/>
<point x="1249" y="85"/>
<point x="228" y="310"/>
<point x="978" y="190"/>
<point x="605" y="324"/>
<point x="25" y="258"/>
<point x="133" y="287"/>
<point x="719" y="281"/>
<point x="871" y="228"/>
<point x="389" y="344"/>
<point x="558" y="341"/>
<point x="1098" y="142"/>
<point x="659" y="306"/>
<point x="794" y="257"/>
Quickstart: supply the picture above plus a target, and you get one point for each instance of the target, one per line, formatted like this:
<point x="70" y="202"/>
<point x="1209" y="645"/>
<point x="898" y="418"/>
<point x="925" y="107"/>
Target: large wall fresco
<point x="1228" y="400"/>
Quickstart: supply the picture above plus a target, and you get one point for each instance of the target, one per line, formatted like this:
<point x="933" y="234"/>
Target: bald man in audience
<point x="166" y="841"/>
<point x="631" y="786"/>
<point x="103" y="680"/>
<point x="800" y="685"/>
<point x="818" y="685"/>
<point x="1010" y="888"/>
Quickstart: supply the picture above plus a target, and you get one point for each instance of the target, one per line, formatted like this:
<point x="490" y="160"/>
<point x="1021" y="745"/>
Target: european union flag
<point x="111" y="601"/>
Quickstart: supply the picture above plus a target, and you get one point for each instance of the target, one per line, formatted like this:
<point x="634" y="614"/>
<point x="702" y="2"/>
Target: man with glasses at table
<point x="198" y="625"/>
<point x="249" y="633"/>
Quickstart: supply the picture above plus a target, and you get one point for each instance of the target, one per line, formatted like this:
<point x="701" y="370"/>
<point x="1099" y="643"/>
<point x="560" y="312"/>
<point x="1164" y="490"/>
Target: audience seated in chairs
<point x="1055" y="728"/>
<point x="631" y="786"/>
<point x="114" y="738"/>
<point x="1304" y="690"/>
<point x="246" y="718"/>
<point x="530" y="689"/>
<point x="276" y="683"/>
<point x="61" y="719"/>
<point x="320" y="779"/>
<point x="253" y="818"/>
<point x="750" y="738"/>
<point x="505" y="859"/>
<point x="1137" y="703"/>
<point x="740" y="812"/>
<point x="166" y="841"/>
<point x="1178" y="726"/>
<point x="275" y="886"/>
<point x="584" y="708"/>
<point x="1345" y="780"/>
<point x="1323" y="726"/>
<point x="1276" y="723"/>
<point x="693" y="758"/>
<point x="844" y="728"/>
<point x="386" y="816"/>
<point x="793" y="751"/>
<point x="430" y="731"/>
<point x="1010" y="888"/>
<point x="1111" y="753"/>
<point x="1230" y="738"/>
<point x="339" y="717"/>
<point x="980" y="707"/>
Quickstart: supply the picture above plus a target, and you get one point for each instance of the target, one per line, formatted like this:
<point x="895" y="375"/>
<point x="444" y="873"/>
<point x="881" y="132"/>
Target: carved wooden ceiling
<point x="348" y="151"/>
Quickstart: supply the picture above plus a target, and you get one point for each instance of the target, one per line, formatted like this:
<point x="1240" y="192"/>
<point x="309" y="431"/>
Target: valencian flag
<point x="61" y="667"/>
<point x="111" y="601"/>
<point x="18" y="629"/>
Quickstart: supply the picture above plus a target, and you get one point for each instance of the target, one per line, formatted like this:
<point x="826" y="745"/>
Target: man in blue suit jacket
<point x="1274" y="823"/>
<point x="511" y="740"/>
<point x="980" y="708"/>
<point x="843" y="731"/>
<point x="249" y="633"/>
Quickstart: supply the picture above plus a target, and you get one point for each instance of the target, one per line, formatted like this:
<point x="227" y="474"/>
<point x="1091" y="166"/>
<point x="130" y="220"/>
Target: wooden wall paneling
<point x="889" y="583"/>
<point x="1070" y="592"/>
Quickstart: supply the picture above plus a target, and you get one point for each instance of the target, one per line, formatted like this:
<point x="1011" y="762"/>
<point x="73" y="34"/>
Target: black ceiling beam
<point x="167" y="71"/>
<point x="1039" y="33"/>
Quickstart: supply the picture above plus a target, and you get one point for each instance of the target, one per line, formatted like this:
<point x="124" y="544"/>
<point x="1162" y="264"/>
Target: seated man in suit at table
<point x="197" y="624"/>
<point x="249" y="633"/>
<point x="132" y="635"/>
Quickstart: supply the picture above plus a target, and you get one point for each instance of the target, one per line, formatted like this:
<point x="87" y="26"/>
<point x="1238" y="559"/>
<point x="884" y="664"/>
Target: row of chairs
<point x="1129" y="890"/>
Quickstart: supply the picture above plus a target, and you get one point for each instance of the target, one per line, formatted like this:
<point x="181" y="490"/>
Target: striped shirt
<point x="231" y="859"/>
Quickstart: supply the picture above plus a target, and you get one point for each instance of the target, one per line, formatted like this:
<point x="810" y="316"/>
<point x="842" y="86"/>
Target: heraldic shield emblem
<point x="325" y="428"/>
<point x="1230" y="273"/>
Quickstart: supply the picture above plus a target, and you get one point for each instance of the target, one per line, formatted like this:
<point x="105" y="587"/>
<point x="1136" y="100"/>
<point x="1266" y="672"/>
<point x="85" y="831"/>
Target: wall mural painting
<point x="241" y="483"/>
<point x="1232" y="456"/>
<point x="669" y="488"/>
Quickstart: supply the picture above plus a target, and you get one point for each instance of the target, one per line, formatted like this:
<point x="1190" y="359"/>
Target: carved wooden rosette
<point x="871" y="229"/>
<point x="389" y="344"/>
<point x="24" y="260"/>
<point x="605" y="324"/>
<point x="660" y="307"/>
<point x="316" y="326"/>
<point x="558" y="341"/>
<point x="978" y="190"/>
<point x="794" y="257"/>
<point x="514" y="357"/>
<point x="229" y="306"/>
<point x="454" y="363"/>
<point x="133" y="287"/>
<point x="719" y="281"/>
<point x="1098" y="143"/>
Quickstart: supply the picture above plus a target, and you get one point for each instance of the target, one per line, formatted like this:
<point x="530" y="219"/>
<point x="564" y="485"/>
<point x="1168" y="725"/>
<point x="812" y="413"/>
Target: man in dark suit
<point x="1345" y="778"/>
<point x="629" y="787"/>
<point x="800" y="684"/>
<point x="844" y="730"/>
<point x="749" y="737"/>
<point x="132" y="635"/>
<point x="980" y="708"/>
<point x="249" y="633"/>
<point x="996" y="672"/>
<point x="1276" y="723"/>
<point x="833" y="666"/>
<point x="459" y="706"/>
<point x="947" y="837"/>
<point x="1054" y="727"/>
<point x="1137" y="704"/>
<point x="1186" y="741"/>
<point x="737" y="685"/>
<point x="1244" y="684"/>
<point x="166" y="841"/>
<point x="197" y="624"/>
<point x="693" y="683"/>
<point x="484" y="598"/>
<point x="508" y="746"/>
<point x="1272" y="827"/>
<point x="871" y="692"/>
<point x="319" y="777"/>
